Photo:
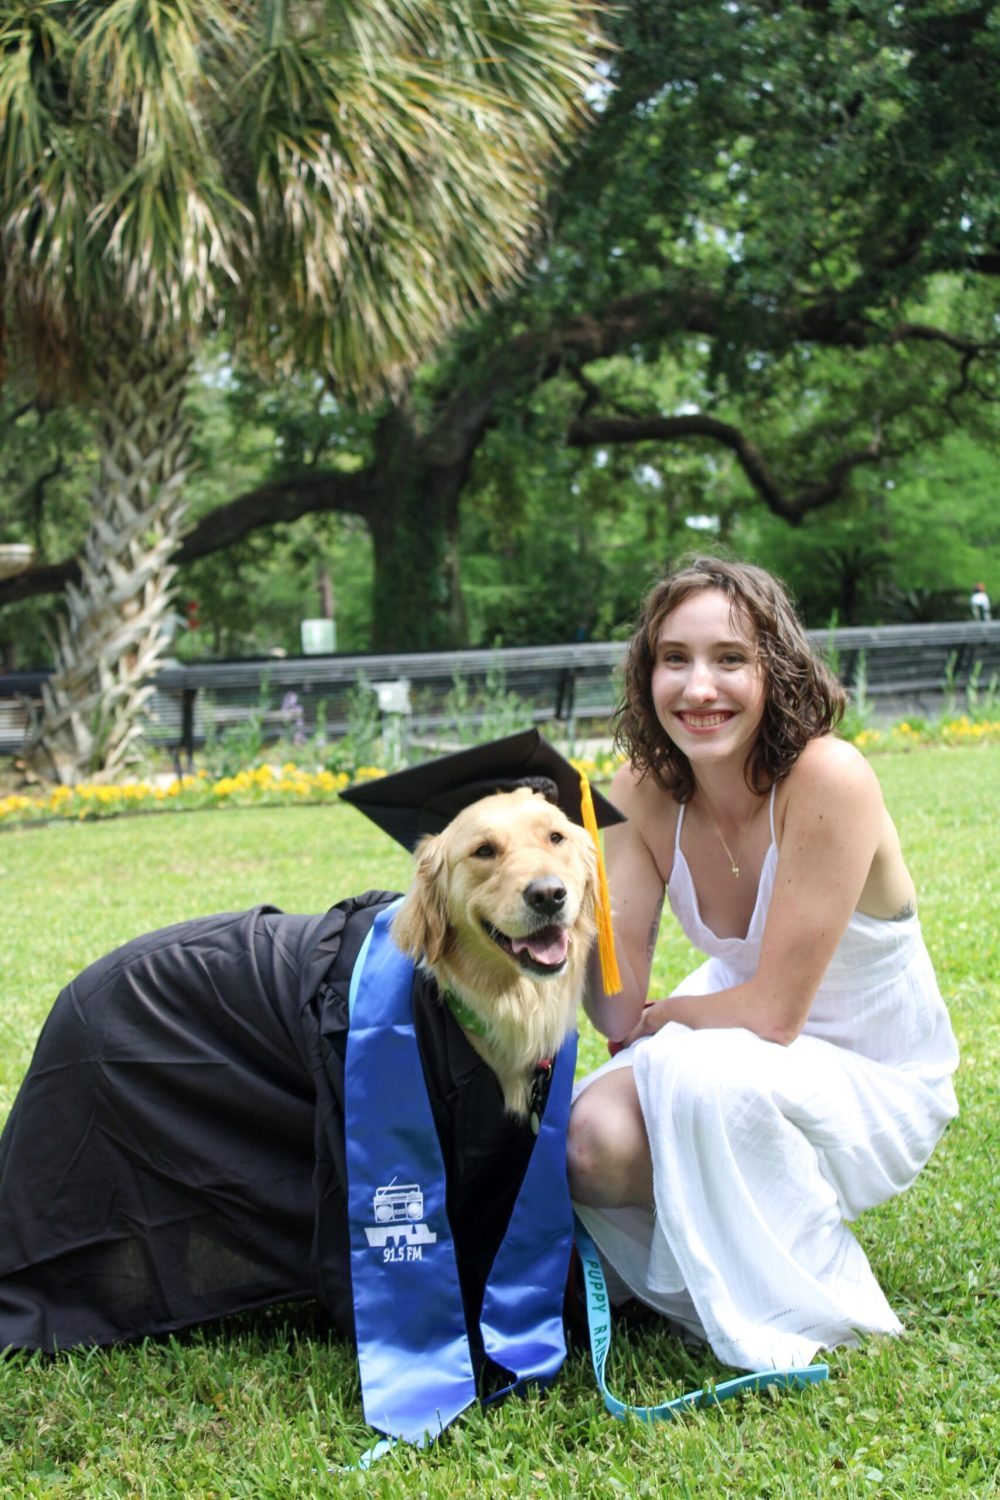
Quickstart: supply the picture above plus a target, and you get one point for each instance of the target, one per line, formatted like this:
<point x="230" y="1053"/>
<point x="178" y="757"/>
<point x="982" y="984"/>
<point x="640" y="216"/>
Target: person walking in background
<point x="979" y="603"/>
<point x="804" y="1072"/>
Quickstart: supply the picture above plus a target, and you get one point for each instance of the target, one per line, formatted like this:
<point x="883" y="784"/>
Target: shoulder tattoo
<point x="906" y="911"/>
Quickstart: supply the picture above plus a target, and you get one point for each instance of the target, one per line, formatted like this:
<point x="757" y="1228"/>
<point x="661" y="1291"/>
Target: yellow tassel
<point x="610" y="977"/>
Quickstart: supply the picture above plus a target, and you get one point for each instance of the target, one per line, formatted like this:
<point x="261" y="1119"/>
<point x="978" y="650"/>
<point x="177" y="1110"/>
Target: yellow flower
<point x="368" y="773"/>
<point x="13" y="804"/>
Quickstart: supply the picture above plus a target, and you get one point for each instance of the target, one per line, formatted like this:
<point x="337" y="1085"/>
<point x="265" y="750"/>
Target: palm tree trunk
<point x="115" y="633"/>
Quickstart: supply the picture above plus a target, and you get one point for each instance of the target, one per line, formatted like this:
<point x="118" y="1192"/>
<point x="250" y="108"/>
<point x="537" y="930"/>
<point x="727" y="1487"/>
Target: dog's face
<point x="510" y="880"/>
<point x="502" y="911"/>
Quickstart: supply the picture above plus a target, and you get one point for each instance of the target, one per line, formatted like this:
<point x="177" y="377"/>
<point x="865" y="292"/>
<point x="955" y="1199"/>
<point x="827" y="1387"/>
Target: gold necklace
<point x="734" y="859"/>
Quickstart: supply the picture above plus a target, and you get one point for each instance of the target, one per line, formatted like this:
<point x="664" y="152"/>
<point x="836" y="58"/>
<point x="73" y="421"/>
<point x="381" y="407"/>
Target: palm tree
<point x="336" y="181"/>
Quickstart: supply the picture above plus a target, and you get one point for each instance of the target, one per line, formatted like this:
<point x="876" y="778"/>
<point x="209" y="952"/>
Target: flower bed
<point x="257" y="787"/>
<point x="911" y="732"/>
<point x="277" y="785"/>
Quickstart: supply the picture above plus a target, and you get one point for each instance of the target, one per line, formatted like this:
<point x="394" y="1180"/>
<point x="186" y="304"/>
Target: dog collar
<point x="464" y="1014"/>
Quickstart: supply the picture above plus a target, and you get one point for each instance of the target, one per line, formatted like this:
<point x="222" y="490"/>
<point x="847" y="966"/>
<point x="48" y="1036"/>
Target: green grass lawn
<point x="260" y="1407"/>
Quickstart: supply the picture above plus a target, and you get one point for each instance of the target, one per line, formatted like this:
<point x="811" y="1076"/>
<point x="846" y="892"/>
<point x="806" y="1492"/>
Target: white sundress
<point x="761" y="1152"/>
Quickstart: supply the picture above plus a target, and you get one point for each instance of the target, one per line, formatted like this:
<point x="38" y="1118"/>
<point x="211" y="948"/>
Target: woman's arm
<point x="833" y="821"/>
<point x="637" y="890"/>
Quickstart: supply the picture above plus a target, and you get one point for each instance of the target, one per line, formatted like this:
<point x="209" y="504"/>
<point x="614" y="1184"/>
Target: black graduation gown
<point x="176" y="1151"/>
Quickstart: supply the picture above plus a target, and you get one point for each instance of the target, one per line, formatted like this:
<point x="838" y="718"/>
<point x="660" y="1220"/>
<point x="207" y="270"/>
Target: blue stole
<point x="413" y="1348"/>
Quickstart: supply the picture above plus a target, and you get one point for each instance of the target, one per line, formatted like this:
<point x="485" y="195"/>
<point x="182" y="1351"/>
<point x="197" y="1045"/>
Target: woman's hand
<point x="655" y="1013"/>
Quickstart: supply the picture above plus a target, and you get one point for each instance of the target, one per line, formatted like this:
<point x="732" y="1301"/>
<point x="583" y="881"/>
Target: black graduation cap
<point x="424" y="798"/>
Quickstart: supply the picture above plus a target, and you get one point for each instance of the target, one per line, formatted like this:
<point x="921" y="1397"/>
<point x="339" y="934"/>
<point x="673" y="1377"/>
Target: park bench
<point x="915" y="668"/>
<point x="900" y="669"/>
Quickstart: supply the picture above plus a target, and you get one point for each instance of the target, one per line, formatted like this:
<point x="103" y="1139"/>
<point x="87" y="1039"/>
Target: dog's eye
<point x="485" y="851"/>
<point x="555" y="837"/>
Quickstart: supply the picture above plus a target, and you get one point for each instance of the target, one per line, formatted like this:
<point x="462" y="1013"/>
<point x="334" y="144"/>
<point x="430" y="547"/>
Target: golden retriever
<point x="501" y="911"/>
<point x="216" y="1049"/>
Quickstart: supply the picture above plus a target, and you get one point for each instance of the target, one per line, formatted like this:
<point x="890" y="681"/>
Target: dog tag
<point x="539" y="1094"/>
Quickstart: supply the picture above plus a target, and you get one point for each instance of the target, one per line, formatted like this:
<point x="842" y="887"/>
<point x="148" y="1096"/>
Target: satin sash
<point x="413" y="1349"/>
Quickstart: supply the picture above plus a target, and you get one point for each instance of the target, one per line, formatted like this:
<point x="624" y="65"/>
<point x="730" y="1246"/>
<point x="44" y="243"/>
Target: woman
<point x="803" y="1073"/>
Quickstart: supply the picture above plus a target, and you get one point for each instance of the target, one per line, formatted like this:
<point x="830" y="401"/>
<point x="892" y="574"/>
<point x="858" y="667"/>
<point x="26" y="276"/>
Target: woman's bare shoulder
<point x="828" y="768"/>
<point x="650" y="809"/>
<point x="634" y="791"/>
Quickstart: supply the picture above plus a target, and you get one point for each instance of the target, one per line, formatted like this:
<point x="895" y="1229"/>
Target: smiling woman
<point x="803" y="1073"/>
<point x="707" y="686"/>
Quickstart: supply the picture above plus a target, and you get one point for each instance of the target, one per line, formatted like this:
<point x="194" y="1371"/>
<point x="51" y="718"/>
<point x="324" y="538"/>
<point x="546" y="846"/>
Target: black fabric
<point x="424" y="798"/>
<point x="176" y="1151"/>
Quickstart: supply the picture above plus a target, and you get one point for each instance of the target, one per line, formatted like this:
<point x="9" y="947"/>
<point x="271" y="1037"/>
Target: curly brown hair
<point x="802" y="698"/>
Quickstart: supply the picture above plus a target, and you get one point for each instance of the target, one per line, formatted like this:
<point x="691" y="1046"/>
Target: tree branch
<point x="44" y="578"/>
<point x="15" y="415"/>
<point x="267" y="505"/>
<point x="926" y="333"/>
<point x="682" y="306"/>
<point x="598" y="430"/>
<point x="466" y="411"/>
<point x="279" y="501"/>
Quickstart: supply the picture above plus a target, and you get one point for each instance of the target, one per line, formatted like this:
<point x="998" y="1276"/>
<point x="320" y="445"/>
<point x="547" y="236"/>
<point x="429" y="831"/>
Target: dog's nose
<point x="545" y="895"/>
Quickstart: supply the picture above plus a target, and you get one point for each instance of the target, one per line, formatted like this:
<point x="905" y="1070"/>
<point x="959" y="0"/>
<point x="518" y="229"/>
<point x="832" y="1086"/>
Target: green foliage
<point x="859" y="712"/>
<point x="229" y="750"/>
<point x="473" y="718"/>
<point x="261" y="1405"/>
<point x="788" y="209"/>
<point x="503" y="712"/>
<point x="899" y="549"/>
<point x="45" y="457"/>
<point x="253" y="596"/>
<point x="304" y="180"/>
<point x="358" y="746"/>
<point x="780" y="219"/>
<point x="772" y="152"/>
<point x="246" y="601"/>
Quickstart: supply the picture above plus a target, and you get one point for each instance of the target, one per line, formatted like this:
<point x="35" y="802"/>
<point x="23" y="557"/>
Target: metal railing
<point x="899" y="668"/>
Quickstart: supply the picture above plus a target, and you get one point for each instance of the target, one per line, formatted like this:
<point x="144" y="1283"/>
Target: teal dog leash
<point x="599" y="1324"/>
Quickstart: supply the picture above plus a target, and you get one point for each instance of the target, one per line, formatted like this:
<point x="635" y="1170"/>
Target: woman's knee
<point x="607" y="1150"/>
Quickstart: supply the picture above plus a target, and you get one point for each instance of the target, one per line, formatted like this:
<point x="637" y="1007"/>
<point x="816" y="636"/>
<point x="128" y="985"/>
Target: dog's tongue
<point x="547" y="946"/>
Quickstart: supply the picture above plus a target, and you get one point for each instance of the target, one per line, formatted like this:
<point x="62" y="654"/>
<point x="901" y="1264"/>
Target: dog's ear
<point x="420" y="925"/>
